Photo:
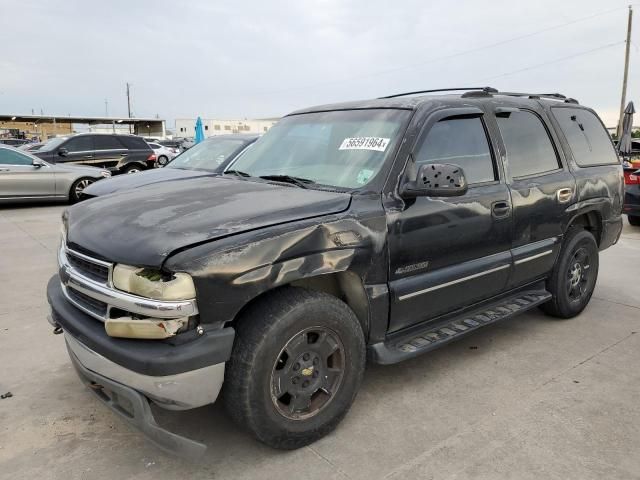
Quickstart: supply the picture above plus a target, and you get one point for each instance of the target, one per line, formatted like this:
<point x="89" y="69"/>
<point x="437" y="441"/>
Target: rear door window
<point x="460" y="141"/>
<point x="529" y="147"/>
<point x="106" y="142"/>
<point x="590" y="143"/>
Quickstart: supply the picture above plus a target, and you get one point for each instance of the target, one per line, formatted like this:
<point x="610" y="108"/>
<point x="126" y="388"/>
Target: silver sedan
<point x="24" y="177"/>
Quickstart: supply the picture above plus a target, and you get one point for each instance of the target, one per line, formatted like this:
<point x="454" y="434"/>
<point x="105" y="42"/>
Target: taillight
<point x="151" y="158"/>
<point x="631" y="178"/>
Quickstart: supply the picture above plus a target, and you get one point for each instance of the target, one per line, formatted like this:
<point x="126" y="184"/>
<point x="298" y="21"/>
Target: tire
<point x="133" y="168"/>
<point x="273" y="338"/>
<point x="163" y="160"/>
<point x="634" y="220"/>
<point x="574" y="275"/>
<point x="75" y="193"/>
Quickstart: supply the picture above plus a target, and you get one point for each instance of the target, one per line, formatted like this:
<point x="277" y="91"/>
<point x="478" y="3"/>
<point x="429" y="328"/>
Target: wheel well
<point x="590" y="221"/>
<point x="345" y="286"/>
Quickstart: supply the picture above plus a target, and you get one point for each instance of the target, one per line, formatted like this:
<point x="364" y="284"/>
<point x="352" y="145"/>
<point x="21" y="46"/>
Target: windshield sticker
<point x="363" y="176"/>
<point x="365" y="143"/>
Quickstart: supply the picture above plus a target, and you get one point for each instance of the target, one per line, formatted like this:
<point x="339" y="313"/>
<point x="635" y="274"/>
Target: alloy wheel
<point x="307" y="373"/>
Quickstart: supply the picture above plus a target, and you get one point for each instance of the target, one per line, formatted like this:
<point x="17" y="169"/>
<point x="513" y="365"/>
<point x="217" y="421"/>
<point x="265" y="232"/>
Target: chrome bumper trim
<point x="181" y="391"/>
<point x="70" y="277"/>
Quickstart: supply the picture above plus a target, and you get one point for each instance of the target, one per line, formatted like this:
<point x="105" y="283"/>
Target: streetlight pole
<point x="623" y="99"/>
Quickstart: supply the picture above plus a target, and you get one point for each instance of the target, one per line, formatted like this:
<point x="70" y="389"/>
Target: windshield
<point x="209" y="155"/>
<point x="52" y="144"/>
<point x="344" y="149"/>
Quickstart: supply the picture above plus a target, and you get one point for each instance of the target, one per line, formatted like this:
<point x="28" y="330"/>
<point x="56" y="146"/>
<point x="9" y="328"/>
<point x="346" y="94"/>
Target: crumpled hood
<point x="123" y="182"/>
<point x="144" y="225"/>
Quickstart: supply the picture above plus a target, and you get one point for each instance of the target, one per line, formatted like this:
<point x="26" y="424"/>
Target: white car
<point x="163" y="154"/>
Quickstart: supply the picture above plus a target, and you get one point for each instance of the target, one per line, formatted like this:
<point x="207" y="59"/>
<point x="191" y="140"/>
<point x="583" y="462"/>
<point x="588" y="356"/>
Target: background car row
<point x="27" y="177"/>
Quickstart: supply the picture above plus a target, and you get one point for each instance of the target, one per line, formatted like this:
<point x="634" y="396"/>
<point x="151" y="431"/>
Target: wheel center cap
<point x="307" y="372"/>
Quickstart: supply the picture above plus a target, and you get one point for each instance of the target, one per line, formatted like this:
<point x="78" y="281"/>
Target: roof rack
<point x="551" y="96"/>
<point x="485" y="90"/>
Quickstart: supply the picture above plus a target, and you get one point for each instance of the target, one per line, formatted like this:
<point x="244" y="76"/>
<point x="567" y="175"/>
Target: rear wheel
<point x="163" y="160"/>
<point x="634" y="220"/>
<point x="297" y="364"/>
<point x="132" y="169"/>
<point x="78" y="187"/>
<point x="574" y="276"/>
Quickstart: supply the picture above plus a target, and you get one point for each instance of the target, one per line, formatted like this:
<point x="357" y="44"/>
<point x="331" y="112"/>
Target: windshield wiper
<point x="237" y="173"/>
<point x="298" y="181"/>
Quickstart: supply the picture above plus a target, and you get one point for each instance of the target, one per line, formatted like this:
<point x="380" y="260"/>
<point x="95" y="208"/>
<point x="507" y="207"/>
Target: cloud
<point x="257" y="59"/>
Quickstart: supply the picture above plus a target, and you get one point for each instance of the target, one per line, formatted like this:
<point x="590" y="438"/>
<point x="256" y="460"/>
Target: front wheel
<point x="75" y="194"/>
<point x="574" y="276"/>
<point x="297" y="364"/>
<point x="634" y="220"/>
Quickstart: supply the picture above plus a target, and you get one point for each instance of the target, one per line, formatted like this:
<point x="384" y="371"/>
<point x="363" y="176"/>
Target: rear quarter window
<point x="590" y="143"/>
<point x="134" y="143"/>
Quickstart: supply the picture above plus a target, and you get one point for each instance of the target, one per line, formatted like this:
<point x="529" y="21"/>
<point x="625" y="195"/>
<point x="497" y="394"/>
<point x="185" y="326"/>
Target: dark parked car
<point x="115" y="152"/>
<point x="381" y="229"/>
<point x="632" y="192"/>
<point x="207" y="158"/>
<point x="14" y="142"/>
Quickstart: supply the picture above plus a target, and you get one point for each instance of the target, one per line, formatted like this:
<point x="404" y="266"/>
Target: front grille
<point x="88" y="268"/>
<point x="95" y="306"/>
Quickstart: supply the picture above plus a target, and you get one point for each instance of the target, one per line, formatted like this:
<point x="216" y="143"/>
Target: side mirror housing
<point x="38" y="164"/>
<point x="436" y="180"/>
<point x="63" y="152"/>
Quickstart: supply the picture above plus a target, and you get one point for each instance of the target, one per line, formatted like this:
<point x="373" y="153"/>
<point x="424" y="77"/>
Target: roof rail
<point x="482" y="89"/>
<point x="551" y="96"/>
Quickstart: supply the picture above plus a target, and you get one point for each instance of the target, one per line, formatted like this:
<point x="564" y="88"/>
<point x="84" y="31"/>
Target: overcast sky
<point x="257" y="58"/>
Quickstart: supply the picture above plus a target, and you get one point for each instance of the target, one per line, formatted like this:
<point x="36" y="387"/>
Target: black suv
<point x="118" y="153"/>
<point x="383" y="229"/>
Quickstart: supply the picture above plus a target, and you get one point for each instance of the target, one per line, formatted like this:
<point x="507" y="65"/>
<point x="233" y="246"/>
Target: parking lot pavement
<point x="530" y="398"/>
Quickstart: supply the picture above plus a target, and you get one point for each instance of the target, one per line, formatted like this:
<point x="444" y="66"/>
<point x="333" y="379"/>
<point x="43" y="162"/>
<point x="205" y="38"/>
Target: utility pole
<point x="129" y="105"/>
<point x="106" y="107"/>
<point x="623" y="99"/>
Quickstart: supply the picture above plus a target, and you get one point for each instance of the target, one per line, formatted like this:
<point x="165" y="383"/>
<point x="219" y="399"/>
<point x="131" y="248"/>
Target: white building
<point x="186" y="127"/>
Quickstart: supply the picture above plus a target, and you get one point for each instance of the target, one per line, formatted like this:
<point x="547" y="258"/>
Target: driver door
<point x="450" y="252"/>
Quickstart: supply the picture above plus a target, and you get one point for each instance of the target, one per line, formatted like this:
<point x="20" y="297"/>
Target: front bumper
<point x="181" y="373"/>
<point x="134" y="408"/>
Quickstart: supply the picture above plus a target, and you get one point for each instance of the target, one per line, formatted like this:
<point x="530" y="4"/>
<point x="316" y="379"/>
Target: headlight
<point x="105" y="174"/>
<point x="153" y="283"/>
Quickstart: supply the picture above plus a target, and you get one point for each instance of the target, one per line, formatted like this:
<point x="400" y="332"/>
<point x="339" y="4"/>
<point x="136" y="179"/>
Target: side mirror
<point x="436" y="180"/>
<point x="63" y="152"/>
<point x="38" y="164"/>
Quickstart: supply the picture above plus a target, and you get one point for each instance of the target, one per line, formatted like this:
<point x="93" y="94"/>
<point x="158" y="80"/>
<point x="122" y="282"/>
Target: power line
<point x="448" y="57"/>
<point x="557" y="60"/>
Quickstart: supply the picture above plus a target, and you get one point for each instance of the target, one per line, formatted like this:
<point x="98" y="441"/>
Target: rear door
<point x="108" y="151"/>
<point x="448" y="253"/>
<point x="542" y="189"/>
<point x="19" y="178"/>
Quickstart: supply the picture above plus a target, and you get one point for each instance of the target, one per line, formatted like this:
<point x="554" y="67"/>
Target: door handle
<point x="564" y="195"/>
<point x="500" y="209"/>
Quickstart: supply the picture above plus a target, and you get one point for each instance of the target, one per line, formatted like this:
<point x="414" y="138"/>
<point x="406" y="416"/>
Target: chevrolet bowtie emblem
<point x="307" y="371"/>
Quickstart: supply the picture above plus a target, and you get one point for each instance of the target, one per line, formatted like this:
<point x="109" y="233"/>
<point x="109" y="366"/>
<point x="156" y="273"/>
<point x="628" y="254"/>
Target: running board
<point x="402" y="347"/>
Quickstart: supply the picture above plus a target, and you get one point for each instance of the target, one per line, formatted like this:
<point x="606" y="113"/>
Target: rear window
<point x="133" y="142"/>
<point x="587" y="137"/>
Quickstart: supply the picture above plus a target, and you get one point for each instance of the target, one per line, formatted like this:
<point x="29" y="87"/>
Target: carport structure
<point x="45" y="126"/>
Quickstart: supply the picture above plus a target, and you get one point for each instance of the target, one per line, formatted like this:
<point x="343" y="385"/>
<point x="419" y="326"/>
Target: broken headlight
<point x="154" y="284"/>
